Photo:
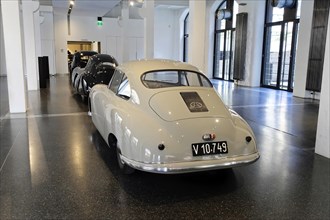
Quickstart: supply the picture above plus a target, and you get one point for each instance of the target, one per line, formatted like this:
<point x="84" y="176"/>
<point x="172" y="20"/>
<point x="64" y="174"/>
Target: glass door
<point x="223" y="55"/>
<point x="279" y="55"/>
<point x="271" y="56"/>
<point x="288" y="55"/>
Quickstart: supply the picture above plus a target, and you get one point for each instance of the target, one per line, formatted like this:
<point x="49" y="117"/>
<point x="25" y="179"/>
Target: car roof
<point x="105" y="58"/>
<point x="134" y="69"/>
<point x="84" y="53"/>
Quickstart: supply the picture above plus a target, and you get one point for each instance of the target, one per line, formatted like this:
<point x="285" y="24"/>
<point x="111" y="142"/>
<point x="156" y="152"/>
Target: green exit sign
<point x="99" y="21"/>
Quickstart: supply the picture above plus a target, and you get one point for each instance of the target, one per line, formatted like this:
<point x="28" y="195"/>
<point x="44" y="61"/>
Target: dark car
<point x="102" y="75"/>
<point x="99" y="69"/>
<point x="80" y="59"/>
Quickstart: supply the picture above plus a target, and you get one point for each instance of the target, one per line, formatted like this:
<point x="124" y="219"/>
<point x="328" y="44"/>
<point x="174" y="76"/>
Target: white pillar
<point x="302" y="55"/>
<point x="322" y="145"/>
<point x="37" y="36"/>
<point x="254" y="41"/>
<point x="31" y="60"/>
<point x="149" y="21"/>
<point x="196" y="47"/>
<point x="13" y="52"/>
<point x="125" y="31"/>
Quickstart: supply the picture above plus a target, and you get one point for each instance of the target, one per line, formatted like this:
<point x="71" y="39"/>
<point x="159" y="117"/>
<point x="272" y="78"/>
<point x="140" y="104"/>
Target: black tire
<point x="126" y="169"/>
<point x="83" y="88"/>
<point x="83" y="98"/>
<point x="123" y="166"/>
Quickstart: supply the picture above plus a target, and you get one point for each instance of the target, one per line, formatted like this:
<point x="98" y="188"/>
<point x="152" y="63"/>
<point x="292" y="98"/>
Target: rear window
<point x="174" y="78"/>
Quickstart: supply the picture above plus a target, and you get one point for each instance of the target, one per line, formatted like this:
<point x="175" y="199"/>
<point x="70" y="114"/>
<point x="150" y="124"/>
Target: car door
<point x="110" y="118"/>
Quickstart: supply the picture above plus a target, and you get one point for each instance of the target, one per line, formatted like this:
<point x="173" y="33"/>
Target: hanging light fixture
<point x="136" y="3"/>
<point x="70" y="7"/>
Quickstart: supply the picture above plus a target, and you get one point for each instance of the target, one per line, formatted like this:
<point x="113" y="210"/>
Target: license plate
<point x="210" y="148"/>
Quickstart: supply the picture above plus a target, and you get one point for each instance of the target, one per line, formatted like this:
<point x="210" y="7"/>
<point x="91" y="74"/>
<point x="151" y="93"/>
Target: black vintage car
<point x="80" y="59"/>
<point x="99" y="69"/>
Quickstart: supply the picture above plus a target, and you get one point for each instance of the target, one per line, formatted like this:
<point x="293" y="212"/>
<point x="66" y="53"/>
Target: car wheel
<point x="112" y="142"/>
<point x="73" y="80"/>
<point x="122" y="165"/>
<point x="83" y="98"/>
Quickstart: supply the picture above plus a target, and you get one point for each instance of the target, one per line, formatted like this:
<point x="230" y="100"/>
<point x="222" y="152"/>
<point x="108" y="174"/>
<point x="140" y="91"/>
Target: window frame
<point x="200" y="77"/>
<point x="116" y="89"/>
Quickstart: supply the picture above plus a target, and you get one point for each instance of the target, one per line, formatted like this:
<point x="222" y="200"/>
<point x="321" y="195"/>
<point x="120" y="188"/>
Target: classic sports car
<point x="164" y="116"/>
<point x="80" y="59"/>
<point x="99" y="69"/>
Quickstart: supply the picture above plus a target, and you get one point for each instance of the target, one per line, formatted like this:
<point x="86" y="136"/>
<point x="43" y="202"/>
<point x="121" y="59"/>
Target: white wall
<point x="3" y="71"/>
<point x="60" y="32"/>
<point x="322" y="137"/>
<point x="169" y="26"/>
<point x="86" y="29"/>
<point x="165" y="28"/>
<point x="47" y="37"/>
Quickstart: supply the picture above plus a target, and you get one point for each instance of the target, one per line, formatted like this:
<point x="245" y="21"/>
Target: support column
<point x="302" y="54"/>
<point x="322" y="146"/>
<point x="149" y="27"/>
<point x="13" y="51"/>
<point x="31" y="60"/>
<point x="125" y="31"/>
<point x="196" y="47"/>
<point x="37" y="35"/>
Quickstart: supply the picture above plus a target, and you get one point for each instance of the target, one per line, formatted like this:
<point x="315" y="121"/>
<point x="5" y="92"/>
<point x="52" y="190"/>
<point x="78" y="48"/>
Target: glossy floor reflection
<point x="54" y="164"/>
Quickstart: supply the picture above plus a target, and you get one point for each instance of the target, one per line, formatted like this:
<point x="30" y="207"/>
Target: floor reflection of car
<point x="165" y="116"/>
<point x="80" y="59"/>
<point x="99" y="69"/>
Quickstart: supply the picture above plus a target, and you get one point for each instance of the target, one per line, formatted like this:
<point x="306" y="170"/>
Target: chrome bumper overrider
<point x="193" y="166"/>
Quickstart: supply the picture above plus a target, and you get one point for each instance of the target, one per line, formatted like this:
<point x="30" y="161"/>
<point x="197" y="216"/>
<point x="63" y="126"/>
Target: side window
<point x="120" y="85"/>
<point x="124" y="89"/>
<point x="116" y="80"/>
<point x="92" y="68"/>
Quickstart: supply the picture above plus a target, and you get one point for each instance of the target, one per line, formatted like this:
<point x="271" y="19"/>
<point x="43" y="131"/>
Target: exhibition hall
<point x="164" y="109"/>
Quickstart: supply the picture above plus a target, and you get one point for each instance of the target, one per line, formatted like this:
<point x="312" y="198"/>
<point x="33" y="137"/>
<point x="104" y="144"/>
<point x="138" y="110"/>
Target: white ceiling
<point x="95" y="8"/>
<point x="100" y="8"/>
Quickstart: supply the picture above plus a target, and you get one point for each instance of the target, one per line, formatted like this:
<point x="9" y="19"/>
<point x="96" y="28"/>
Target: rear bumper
<point x="193" y="166"/>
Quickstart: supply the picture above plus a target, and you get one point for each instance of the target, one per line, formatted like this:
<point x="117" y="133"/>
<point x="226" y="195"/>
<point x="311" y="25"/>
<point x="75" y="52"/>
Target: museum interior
<point x="66" y="153"/>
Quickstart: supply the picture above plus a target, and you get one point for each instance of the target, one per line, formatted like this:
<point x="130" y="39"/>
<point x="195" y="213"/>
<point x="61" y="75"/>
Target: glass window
<point x="279" y="51"/>
<point x="120" y="85"/>
<point x="278" y="14"/>
<point x="116" y="80"/>
<point x="225" y="21"/>
<point x="174" y="78"/>
<point x="124" y="89"/>
<point x="220" y="23"/>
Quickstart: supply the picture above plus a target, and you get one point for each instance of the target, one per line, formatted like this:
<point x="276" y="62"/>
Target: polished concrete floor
<point x="55" y="165"/>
